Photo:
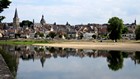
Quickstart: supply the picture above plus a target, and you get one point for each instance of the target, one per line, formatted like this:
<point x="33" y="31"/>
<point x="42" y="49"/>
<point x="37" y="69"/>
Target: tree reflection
<point x="137" y="57"/>
<point x="11" y="60"/>
<point x="115" y="60"/>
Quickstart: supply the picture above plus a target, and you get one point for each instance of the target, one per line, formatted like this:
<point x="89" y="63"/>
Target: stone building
<point x="16" y="22"/>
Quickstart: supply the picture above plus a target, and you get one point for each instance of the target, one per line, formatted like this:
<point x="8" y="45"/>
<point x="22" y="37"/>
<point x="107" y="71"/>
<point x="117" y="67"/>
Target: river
<point x="42" y="62"/>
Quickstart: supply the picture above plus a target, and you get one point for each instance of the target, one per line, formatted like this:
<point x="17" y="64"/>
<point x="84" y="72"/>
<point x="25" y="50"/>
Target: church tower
<point x="42" y="21"/>
<point x="135" y="22"/>
<point x="16" y="19"/>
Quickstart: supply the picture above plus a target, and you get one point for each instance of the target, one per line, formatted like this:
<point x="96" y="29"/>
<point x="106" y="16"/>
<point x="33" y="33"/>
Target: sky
<point x="74" y="11"/>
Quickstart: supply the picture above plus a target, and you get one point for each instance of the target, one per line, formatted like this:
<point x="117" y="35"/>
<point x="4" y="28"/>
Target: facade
<point x="131" y="31"/>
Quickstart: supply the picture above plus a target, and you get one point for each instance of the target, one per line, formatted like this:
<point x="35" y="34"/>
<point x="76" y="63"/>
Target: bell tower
<point x="16" y="19"/>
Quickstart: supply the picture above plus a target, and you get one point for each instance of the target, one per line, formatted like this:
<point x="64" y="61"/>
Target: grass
<point x="22" y="42"/>
<point x="30" y="41"/>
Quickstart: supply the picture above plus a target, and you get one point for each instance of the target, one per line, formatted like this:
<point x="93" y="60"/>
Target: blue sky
<point x="74" y="11"/>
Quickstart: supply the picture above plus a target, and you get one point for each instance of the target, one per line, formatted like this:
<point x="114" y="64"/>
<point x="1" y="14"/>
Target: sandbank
<point x="96" y="45"/>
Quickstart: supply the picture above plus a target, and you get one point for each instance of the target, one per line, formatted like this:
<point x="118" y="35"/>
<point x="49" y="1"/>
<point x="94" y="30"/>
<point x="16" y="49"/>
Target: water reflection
<point x="11" y="61"/>
<point x="114" y="59"/>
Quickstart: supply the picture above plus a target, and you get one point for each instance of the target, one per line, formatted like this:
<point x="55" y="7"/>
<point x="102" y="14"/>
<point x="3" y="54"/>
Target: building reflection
<point x="114" y="58"/>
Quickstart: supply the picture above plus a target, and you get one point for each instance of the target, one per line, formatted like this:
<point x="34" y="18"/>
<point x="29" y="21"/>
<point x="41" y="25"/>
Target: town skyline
<point x="73" y="11"/>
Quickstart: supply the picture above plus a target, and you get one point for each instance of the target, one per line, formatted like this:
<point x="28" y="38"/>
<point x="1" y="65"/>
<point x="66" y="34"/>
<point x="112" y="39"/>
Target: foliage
<point x="52" y="50"/>
<point x="66" y="36"/>
<point x="137" y="32"/>
<point x="81" y="36"/>
<point x="52" y="34"/>
<point x="39" y="49"/>
<point x="26" y="23"/>
<point x="3" y="5"/>
<point x="94" y="36"/>
<point x="60" y="36"/>
<point x="125" y="30"/>
<point x="115" y="28"/>
<point x="22" y="42"/>
<point x="1" y="18"/>
<point x="39" y="34"/>
<point x="137" y="57"/>
<point x="115" y="60"/>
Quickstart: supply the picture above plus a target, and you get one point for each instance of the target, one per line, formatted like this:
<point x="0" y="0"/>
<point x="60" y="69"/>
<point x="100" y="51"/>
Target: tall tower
<point x="135" y="22"/>
<point x="42" y="21"/>
<point x="16" y="19"/>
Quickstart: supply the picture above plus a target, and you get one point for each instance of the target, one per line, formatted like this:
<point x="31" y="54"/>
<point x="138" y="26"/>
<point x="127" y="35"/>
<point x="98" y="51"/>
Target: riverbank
<point x="4" y="70"/>
<point x="22" y="41"/>
<point x="79" y="44"/>
<point x="127" y="46"/>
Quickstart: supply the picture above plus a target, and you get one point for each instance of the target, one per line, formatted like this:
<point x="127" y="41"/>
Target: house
<point x="88" y="35"/>
<point x="129" y="36"/>
<point x="71" y="35"/>
<point x="131" y="31"/>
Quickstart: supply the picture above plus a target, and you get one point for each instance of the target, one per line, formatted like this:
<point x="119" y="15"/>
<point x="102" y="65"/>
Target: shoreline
<point x="96" y="45"/>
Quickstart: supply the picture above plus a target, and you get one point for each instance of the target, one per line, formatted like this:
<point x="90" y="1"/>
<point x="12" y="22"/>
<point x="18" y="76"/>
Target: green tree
<point x="60" y="36"/>
<point x="3" y="5"/>
<point x="115" y="28"/>
<point x="41" y="35"/>
<point x="26" y="23"/>
<point x="52" y="34"/>
<point x="125" y="30"/>
<point x="137" y="32"/>
<point x="94" y="36"/>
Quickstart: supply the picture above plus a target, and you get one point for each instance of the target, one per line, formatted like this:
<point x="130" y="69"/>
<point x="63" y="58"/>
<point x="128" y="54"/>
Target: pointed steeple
<point x="16" y="19"/>
<point x="16" y="14"/>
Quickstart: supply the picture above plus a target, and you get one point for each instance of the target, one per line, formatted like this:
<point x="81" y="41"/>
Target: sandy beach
<point x="96" y="45"/>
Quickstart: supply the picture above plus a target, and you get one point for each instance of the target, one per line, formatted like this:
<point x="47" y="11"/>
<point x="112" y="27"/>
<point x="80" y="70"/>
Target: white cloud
<point x="76" y="11"/>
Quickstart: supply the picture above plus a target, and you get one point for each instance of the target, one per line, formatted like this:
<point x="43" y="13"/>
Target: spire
<point x="33" y="21"/>
<point x="16" y="14"/>
<point x="135" y="22"/>
<point x="33" y="25"/>
<point x="16" y="19"/>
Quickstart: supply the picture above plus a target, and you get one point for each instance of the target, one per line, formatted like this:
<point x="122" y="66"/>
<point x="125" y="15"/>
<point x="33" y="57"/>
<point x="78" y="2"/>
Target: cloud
<point x="76" y="11"/>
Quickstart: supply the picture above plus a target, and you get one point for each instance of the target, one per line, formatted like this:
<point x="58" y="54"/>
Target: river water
<point x="40" y="62"/>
